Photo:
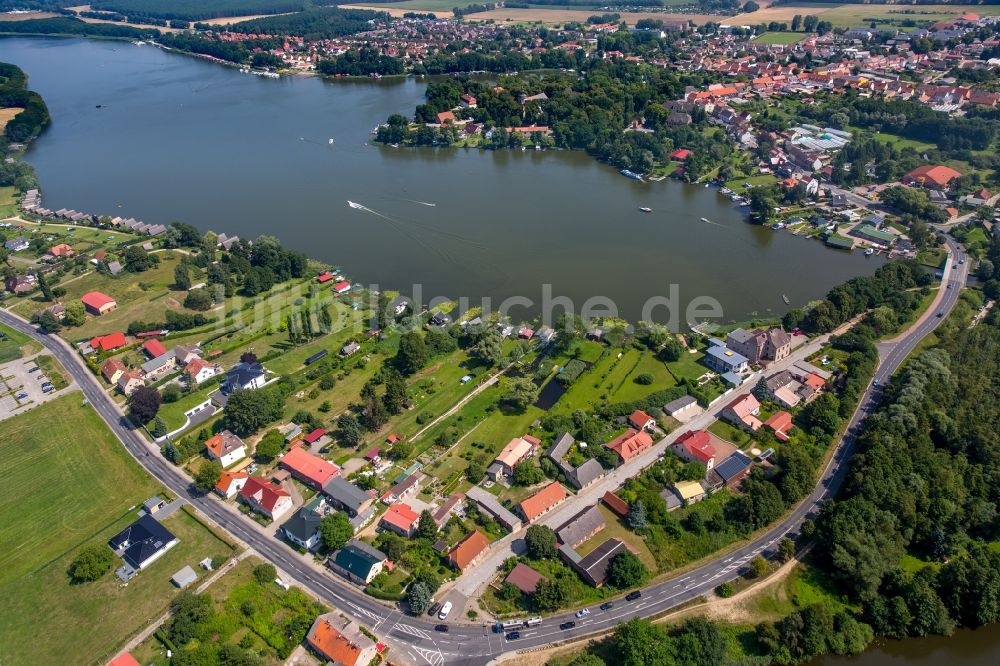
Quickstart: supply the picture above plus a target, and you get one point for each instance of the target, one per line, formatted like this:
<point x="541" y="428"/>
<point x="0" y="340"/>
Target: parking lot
<point x="23" y="386"/>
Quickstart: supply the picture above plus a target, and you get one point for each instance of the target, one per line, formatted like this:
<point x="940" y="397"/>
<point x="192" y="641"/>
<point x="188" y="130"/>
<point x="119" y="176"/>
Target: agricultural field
<point x="8" y="199"/>
<point x="779" y="38"/>
<point x="83" y="488"/>
<point x="856" y="15"/>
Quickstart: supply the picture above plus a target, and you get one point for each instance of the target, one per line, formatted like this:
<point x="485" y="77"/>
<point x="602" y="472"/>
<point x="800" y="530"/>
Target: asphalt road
<point x="414" y="640"/>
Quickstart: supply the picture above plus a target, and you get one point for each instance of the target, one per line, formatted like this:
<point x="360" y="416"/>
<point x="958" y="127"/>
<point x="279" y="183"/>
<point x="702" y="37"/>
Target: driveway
<point x="17" y="380"/>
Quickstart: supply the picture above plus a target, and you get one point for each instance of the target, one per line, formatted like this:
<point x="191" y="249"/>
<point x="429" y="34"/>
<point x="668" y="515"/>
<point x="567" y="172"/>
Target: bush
<point x="725" y="590"/>
<point x="264" y="573"/>
<point x="645" y="379"/>
<point x="91" y="563"/>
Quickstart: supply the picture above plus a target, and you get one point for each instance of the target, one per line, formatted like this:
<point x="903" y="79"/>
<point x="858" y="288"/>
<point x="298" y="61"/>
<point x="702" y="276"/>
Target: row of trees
<point x="14" y="93"/>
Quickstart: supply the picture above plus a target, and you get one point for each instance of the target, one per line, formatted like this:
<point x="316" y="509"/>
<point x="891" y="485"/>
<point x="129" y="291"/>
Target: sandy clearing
<point x="397" y="11"/>
<point x="7" y="114"/>
<point x="24" y="16"/>
<point x="229" y="20"/>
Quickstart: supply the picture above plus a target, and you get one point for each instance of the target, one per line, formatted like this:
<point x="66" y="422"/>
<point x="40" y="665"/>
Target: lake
<point x="140" y="132"/>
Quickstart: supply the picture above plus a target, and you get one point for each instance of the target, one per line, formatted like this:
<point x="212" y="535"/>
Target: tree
<point x="758" y="567"/>
<point x="637" y="520"/>
<point x="786" y="549"/>
<point x="248" y="357"/>
<point x="182" y="276"/>
<point x="74" y="314"/>
<point x="47" y="321"/>
<point x="265" y="573"/>
<point x="568" y="329"/>
<point x="796" y="22"/>
<point x="760" y="390"/>
<point x="207" y="475"/>
<point x="199" y="299"/>
<point x="627" y="570"/>
<point x="509" y="592"/>
<point x="475" y="471"/>
<point x="672" y="350"/>
<point x="519" y="392"/>
<point x="392" y="545"/>
<point x="725" y="590"/>
<point x="376" y="415"/>
<point x="269" y="446"/>
<point x="550" y="595"/>
<point x="751" y="7"/>
<point x="137" y="260"/>
<point x="91" y="563"/>
<point x="349" y="430"/>
<point x="396" y="392"/>
<point x="540" y="542"/>
<point x="413" y="353"/>
<point x="527" y="474"/>
<point x="44" y="287"/>
<point x="143" y="405"/>
<point x="489" y="349"/>
<point x="335" y="530"/>
<point x="247" y="411"/>
<point x="426" y="527"/>
<point x="418" y="598"/>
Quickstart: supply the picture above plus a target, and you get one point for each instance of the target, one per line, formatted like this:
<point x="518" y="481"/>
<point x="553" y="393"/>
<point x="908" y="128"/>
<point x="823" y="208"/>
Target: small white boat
<point x="705" y="219"/>
<point x="869" y="252"/>
<point x="645" y="209"/>
<point x="355" y="205"/>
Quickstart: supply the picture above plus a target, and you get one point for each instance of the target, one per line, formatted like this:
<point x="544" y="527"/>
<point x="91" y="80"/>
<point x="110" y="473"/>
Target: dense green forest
<point x="74" y="26"/>
<point x="313" y="24"/>
<point x="14" y="93"/>
<point x="197" y="10"/>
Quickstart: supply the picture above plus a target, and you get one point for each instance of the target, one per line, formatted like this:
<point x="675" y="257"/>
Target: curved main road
<point x="414" y="639"/>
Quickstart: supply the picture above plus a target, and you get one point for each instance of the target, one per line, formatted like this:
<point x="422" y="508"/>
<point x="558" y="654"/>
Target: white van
<point x="443" y="615"/>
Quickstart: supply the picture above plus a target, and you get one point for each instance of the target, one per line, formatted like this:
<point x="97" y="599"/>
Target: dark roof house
<point x="143" y="542"/>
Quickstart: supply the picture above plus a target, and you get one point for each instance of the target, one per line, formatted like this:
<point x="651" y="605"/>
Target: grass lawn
<point x="8" y="202"/>
<point x="688" y="366"/>
<point x="14" y="345"/>
<point x="804" y="586"/>
<point x="932" y="257"/>
<point x="172" y="413"/>
<point x="67" y="477"/>
<point x="730" y="433"/>
<point x="616" y="529"/>
<point x="779" y="38"/>
<point x="648" y="364"/>
<point x="127" y="289"/>
<point x="900" y="142"/>
<point x="95" y="619"/>
<point x="738" y="184"/>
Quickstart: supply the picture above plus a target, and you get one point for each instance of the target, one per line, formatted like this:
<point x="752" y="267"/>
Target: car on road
<point x="607" y="605"/>
<point x="434" y="609"/>
<point x="940" y="314"/>
<point x="567" y="625"/>
<point x="443" y="628"/>
<point x="443" y="615"/>
<point x="961" y="261"/>
<point x="583" y="612"/>
<point x="513" y="636"/>
<point x="632" y="596"/>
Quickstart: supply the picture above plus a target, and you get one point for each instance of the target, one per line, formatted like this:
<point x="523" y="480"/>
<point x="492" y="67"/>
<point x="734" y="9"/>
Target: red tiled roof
<point x="343" y="285"/>
<point x="154" y="348"/>
<point x="699" y="444"/>
<point x="524" y="578"/>
<point x="326" y="276"/>
<point x="615" y="503"/>
<point x="96" y="299"/>
<point x="543" y="500"/>
<point x="468" y="549"/>
<point x="779" y="421"/>
<point x="314" y="435"/>
<point x="265" y="493"/>
<point x="226" y="480"/>
<point x="401" y="515"/>
<point x="332" y="644"/>
<point x="109" y="342"/>
<point x="124" y="659"/>
<point x="630" y="444"/>
<point x="939" y="174"/>
<point x="639" y="419"/>
<point x="308" y="467"/>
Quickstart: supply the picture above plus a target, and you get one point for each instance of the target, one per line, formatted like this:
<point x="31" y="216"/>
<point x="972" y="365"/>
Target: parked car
<point x="22" y="395"/>
<point x="514" y="635"/>
<point x="443" y="615"/>
<point x="632" y="596"/>
<point x="567" y="625"/>
<point x="583" y="612"/>
<point x="441" y="627"/>
<point x="434" y="610"/>
<point x="607" y="605"/>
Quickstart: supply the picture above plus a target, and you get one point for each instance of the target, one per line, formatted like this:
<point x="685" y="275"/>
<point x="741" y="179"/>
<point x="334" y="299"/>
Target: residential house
<point x="350" y="348"/>
<point x="760" y="346"/>
<point x="17" y="244"/>
<point x="543" y="501"/>
<point x="230" y="483"/>
<point x="731" y="471"/>
<point x="447" y="508"/>
<point x="225" y="447"/>
<point x="112" y="370"/>
<point x="302" y="528"/>
<point x="265" y="497"/>
<point x="341" y="641"/>
<point x="630" y="444"/>
<point x="358" y="562"/>
<point x="936" y="177"/>
<point x="60" y="251"/>
<point x="593" y="567"/>
<point x="725" y="361"/>
<point x="780" y="423"/>
<point x="640" y="420"/>
<point x="307" y="468"/>
<point x="341" y="287"/>
<point x="200" y="370"/>
<point x="695" y="446"/>
<point x="743" y="412"/>
<point x="129" y="381"/>
<point x="347" y="497"/>
<point x="159" y="366"/>
<point x="578" y="477"/>
<point x="408" y="486"/>
<point x="682" y="409"/>
<point x="124" y="659"/>
<point x="469" y="550"/>
<point x="581" y="527"/>
<point x="143" y="542"/>
<point x="153" y="348"/>
<point x="97" y="303"/>
<point x="245" y="376"/>
<point x="467" y="101"/>
<point x="616" y="504"/>
<point x="683" y="493"/>
<point x="18" y="284"/>
<point x="401" y="519"/>
<point x="516" y="451"/>
<point x="106" y="343"/>
<point x="489" y="503"/>
<point x="186" y="353"/>
<point x="524" y="578"/>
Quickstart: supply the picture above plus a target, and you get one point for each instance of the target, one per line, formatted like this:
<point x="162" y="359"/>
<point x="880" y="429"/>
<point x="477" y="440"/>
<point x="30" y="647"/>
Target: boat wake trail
<point x="422" y="203"/>
<point x="395" y="224"/>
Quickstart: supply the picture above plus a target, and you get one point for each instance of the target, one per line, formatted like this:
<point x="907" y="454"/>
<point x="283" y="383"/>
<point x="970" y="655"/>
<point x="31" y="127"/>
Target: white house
<point x="226" y="447"/>
<point x="247" y="376"/>
<point x="199" y="370"/>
